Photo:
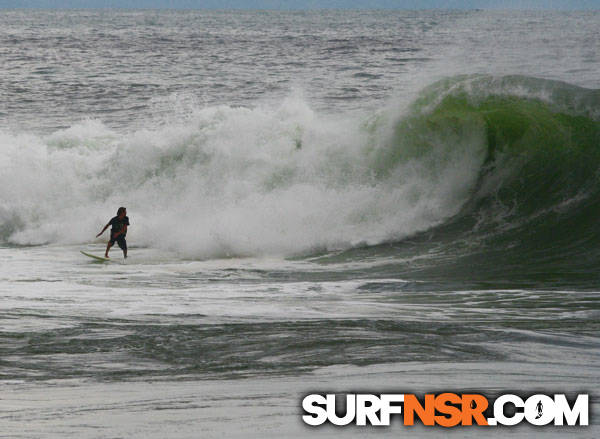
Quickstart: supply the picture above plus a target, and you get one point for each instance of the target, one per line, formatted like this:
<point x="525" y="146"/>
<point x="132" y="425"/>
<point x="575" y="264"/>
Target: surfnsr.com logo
<point x="445" y="409"/>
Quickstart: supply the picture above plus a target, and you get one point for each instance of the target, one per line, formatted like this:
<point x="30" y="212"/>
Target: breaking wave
<point x="474" y="159"/>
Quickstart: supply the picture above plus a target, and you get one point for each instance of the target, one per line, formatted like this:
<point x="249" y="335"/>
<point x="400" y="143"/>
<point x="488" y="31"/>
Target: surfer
<point x="118" y="231"/>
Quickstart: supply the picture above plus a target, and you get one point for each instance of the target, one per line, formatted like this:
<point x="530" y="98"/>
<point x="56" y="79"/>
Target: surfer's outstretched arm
<point x="105" y="227"/>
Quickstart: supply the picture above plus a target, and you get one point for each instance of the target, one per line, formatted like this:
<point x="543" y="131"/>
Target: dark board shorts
<point x="120" y="240"/>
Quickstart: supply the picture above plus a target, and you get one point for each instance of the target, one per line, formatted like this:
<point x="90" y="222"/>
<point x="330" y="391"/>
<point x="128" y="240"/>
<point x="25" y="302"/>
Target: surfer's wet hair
<point x="121" y="209"/>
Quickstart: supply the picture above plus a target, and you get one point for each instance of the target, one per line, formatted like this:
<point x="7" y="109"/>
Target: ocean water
<point x="319" y="201"/>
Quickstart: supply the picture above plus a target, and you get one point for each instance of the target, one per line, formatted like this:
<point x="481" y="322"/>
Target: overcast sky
<point x="305" y="4"/>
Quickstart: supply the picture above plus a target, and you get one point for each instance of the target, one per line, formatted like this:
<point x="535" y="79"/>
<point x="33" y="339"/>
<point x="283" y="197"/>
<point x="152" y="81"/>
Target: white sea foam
<point x="231" y="181"/>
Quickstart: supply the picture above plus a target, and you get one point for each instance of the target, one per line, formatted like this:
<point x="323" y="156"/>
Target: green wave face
<point x="482" y="178"/>
<point x="534" y="213"/>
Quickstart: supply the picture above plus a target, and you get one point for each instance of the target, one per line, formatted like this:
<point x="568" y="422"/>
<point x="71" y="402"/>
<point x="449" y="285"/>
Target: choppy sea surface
<point x="319" y="201"/>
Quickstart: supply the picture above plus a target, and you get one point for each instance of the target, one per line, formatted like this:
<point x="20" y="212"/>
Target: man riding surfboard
<point x="118" y="231"/>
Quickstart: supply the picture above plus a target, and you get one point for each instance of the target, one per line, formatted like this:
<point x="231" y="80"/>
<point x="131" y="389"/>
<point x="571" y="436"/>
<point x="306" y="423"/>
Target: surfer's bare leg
<point x="122" y="245"/>
<point x="108" y="246"/>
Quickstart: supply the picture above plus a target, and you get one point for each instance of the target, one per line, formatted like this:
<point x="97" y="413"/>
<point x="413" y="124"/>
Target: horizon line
<point x="160" y="8"/>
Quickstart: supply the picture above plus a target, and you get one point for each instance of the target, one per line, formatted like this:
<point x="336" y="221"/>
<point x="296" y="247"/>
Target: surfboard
<point x="98" y="258"/>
